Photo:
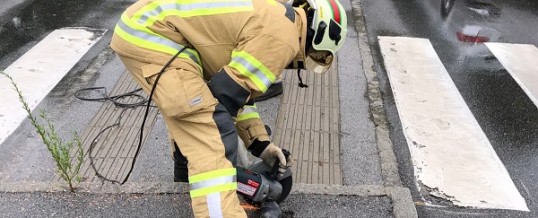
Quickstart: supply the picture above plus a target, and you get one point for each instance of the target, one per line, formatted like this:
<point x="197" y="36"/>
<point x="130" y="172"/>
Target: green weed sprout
<point x="67" y="168"/>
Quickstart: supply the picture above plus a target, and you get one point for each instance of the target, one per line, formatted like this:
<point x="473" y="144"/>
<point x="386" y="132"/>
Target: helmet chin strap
<point x="301" y="84"/>
<point x="309" y="40"/>
<point x="299" y="65"/>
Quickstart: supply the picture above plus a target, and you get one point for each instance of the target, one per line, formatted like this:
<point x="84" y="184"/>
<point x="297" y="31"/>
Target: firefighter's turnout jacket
<point x="232" y="51"/>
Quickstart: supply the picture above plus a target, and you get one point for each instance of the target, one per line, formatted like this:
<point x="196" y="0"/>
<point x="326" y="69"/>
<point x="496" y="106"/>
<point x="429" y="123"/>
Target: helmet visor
<point x="318" y="61"/>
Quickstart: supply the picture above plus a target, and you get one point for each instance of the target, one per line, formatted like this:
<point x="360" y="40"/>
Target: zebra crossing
<point x="451" y="155"/>
<point x="39" y="70"/>
<point x="520" y="61"/>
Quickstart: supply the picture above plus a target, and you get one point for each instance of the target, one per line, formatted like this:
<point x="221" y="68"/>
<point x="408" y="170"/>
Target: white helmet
<point x="326" y="33"/>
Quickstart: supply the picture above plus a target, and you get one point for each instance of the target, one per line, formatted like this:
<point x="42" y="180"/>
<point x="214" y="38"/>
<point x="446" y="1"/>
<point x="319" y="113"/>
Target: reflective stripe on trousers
<point x="211" y="184"/>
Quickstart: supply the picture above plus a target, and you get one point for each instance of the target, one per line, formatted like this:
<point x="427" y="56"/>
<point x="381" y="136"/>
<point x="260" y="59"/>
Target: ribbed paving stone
<point x="308" y="126"/>
<point x="115" y="148"/>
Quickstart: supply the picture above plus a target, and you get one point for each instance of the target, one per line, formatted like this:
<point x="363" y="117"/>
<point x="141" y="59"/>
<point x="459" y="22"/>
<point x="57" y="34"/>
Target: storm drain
<point x="308" y="126"/>
<point x="114" y="149"/>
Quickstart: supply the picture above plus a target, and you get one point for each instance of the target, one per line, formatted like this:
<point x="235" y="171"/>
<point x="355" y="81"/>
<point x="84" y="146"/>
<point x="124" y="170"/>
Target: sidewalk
<point x="335" y="130"/>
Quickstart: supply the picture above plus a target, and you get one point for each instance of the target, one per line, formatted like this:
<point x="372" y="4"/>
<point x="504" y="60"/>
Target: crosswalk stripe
<point x="39" y="70"/>
<point x="520" y="61"/>
<point x="452" y="157"/>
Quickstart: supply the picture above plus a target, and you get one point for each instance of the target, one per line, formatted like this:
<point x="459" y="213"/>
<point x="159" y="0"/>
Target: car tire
<point x="446" y="7"/>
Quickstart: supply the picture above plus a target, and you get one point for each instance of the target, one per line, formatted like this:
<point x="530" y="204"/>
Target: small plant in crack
<point x="67" y="167"/>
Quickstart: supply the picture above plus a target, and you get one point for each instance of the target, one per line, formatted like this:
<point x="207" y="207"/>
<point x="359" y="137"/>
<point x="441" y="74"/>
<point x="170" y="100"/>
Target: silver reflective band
<point x="156" y="39"/>
<point x="191" y="7"/>
<point x="254" y="70"/>
<point x="214" y="205"/>
<point x="212" y="182"/>
<point x="249" y="109"/>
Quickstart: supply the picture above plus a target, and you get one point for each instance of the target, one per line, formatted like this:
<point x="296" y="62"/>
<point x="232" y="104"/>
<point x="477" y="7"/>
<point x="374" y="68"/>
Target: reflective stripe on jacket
<point x="252" y="40"/>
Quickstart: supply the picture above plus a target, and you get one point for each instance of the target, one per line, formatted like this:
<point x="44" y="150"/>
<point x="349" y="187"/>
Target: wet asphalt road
<point x="506" y="114"/>
<point x="174" y="205"/>
<point x="31" y="24"/>
<point x="503" y="110"/>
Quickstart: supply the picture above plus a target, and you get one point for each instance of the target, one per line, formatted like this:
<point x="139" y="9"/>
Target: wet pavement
<point x="30" y="187"/>
<point x="507" y="116"/>
<point x="504" y="111"/>
<point x="28" y="21"/>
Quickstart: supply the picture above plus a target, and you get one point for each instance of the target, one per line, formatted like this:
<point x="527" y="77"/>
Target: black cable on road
<point x="115" y="99"/>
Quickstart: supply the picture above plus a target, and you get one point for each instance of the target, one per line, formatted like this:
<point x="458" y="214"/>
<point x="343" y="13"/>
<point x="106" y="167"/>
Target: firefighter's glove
<point x="270" y="153"/>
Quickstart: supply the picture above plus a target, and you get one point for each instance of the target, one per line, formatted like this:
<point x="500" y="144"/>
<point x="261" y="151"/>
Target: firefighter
<point x="228" y="53"/>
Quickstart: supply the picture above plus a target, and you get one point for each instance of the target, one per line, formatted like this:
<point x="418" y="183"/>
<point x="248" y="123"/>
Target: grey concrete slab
<point x="359" y="153"/>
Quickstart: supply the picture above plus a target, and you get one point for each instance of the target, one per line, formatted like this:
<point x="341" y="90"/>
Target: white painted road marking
<point x="452" y="157"/>
<point x="39" y="70"/>
<point x="520" y="61"/>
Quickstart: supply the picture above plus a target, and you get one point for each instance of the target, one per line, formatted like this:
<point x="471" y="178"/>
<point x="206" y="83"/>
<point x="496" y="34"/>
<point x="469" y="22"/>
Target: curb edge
<point x="402" y="201"/>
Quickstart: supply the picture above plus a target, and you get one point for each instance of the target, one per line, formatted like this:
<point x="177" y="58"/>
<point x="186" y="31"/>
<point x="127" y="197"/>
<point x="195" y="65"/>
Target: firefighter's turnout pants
<point x="235" y="49"/>
<point x="202" y="127"/>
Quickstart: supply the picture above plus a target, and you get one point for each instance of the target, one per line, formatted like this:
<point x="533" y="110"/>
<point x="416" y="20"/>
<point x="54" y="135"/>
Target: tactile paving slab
<point x="308" y="126"/>
<point x="115" y="148"/>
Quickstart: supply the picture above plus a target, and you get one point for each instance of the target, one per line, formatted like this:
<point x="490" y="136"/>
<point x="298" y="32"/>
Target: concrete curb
<point x="182" y="188"/>
<point x="401" y="197"/>
<point x="397" y="194"/>
<point x="97" y="187"/>
<point x="402" y="201"/>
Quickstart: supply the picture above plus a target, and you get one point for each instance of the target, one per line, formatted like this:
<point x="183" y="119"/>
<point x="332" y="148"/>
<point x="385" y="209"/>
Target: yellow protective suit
<point x="234" y="50"/>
